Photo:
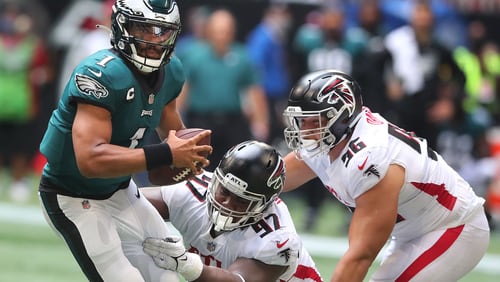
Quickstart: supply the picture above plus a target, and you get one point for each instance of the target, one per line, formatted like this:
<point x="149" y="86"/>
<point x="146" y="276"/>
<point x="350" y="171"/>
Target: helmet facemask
<point x="226" y="219"/>
<point x="315" y="141"/>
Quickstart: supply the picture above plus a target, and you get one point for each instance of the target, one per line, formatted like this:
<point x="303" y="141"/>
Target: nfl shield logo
<point x="86" y="204"/>
<point x="211" y="246"/>
<point x="151" y="98"/>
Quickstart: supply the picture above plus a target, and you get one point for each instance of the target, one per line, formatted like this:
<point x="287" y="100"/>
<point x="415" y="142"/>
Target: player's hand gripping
<point x="186" y="152"/>
<point x="170" y="254"/>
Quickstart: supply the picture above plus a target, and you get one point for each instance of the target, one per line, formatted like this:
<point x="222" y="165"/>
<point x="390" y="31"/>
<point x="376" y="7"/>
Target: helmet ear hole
<point x="269" y="163"/>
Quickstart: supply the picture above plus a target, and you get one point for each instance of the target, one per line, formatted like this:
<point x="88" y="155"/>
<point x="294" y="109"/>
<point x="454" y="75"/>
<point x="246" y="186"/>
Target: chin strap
<point x="220" y="221"/>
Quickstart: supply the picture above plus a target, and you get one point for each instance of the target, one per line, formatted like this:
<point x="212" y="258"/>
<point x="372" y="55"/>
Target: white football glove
<point x="170" y="254"/>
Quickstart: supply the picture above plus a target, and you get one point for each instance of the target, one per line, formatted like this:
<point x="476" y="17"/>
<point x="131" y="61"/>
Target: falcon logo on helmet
<point x="338" y="93"/>
<point x="276" y="179"/>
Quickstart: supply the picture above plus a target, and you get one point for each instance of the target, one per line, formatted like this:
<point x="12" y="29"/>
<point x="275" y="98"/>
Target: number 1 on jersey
<point x="138" y="135"/>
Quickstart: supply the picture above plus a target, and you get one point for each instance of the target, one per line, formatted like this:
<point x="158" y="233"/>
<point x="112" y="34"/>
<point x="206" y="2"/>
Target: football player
<point x="233" y="223"/>
<point x="94" y="142"/>
<point x="396" y="186"/>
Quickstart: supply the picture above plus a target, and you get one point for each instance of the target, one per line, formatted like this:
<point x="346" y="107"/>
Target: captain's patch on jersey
<point x="89" y="86"/>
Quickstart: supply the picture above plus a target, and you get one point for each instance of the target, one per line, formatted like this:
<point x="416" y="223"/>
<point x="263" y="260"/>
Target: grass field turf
<point x="32" y="252"/>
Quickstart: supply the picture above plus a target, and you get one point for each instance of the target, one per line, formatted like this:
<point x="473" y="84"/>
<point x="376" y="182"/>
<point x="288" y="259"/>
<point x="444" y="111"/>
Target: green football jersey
<point x="104" y="79"/>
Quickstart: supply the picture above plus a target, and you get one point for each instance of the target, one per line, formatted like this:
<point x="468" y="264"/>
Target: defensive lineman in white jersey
<point x="247" y="233"/>
<point x="396" y="186"/>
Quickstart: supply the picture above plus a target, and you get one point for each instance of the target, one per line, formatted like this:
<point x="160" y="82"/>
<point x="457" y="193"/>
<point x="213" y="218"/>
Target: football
<point x="167" y="175"/>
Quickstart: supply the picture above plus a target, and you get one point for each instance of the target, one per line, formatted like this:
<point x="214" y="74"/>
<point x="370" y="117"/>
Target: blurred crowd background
<point x="432" y="67"/>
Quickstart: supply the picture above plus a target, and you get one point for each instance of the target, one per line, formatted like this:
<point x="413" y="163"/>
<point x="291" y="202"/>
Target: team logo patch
<point x="285" y="254"/>
<point x="90" y="86"/>
<point x="211" y="246"/>
<point x="147" y="113"/>
<point x="85" y="204"/>
<point x="372" y="170"/>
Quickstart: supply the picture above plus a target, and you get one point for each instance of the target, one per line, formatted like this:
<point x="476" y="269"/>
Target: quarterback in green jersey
<point x="94" y="143"/>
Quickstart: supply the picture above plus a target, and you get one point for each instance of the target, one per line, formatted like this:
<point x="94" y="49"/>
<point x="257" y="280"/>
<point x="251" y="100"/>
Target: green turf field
<point x="30" y="251"/>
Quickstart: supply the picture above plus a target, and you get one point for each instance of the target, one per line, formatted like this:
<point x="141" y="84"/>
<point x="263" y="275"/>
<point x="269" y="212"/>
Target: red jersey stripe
<point x="441" y="245"/>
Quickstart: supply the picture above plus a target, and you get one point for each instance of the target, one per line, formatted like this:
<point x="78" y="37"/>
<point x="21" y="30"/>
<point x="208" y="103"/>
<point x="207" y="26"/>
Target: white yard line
<point x="21" y="214"/>
<point x="322" y="246"/>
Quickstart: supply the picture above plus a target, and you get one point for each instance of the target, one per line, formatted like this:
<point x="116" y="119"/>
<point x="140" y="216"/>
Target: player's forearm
<point x="352" y="269"/>
<point x="298" y="172"/>
<point x="365" y="241"/>
<point x="107" y="160"/>
<point x="210" y="273"/>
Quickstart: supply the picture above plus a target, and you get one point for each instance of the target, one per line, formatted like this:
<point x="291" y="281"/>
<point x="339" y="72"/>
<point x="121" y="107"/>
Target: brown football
<point x="167" y="175"/>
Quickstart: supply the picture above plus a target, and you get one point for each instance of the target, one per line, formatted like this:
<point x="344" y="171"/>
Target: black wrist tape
<point x="157" y="155"/>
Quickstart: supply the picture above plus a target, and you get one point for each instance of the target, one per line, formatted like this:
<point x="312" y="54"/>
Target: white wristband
<point x="191" y="268"/>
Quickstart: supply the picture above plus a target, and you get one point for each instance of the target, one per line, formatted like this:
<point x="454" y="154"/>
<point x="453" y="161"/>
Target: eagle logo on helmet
<point x="339" y="93"/>
<point x="275" y="181"/>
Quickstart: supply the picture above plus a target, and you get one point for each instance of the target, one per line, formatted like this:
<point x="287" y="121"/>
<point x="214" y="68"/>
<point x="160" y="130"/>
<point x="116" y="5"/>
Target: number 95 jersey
<point x="433" y="195"/>
<point x="105" y="80"/>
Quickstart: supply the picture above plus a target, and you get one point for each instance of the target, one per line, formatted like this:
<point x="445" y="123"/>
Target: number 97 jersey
<point x="272" y="240"/>
<point x="433" y="194"/>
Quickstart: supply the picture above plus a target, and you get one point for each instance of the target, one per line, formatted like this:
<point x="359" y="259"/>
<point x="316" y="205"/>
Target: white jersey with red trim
<point x="273" y="240"/>
<point x="433" y="196"/>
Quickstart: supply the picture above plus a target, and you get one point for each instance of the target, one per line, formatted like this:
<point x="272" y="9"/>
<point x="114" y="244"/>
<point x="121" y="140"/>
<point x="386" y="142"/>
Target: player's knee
<point x="119" y="269"/>
<point x="114" y="266"/>
<point x="149" y="270"/>
<point x="128" y="274"/>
